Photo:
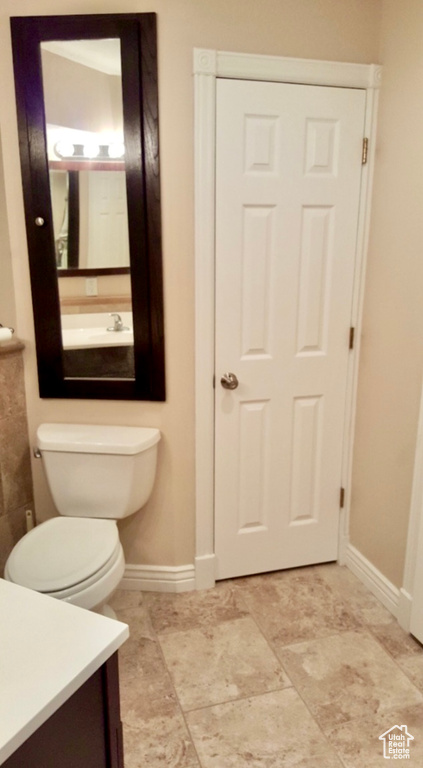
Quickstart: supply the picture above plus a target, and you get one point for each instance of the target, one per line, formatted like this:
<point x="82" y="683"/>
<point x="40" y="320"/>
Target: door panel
<point x="108" y="240"/>
<point x="287" y="193"/>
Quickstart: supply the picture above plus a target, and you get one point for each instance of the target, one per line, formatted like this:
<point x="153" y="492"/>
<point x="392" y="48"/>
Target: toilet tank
<point x="98" y="471"/>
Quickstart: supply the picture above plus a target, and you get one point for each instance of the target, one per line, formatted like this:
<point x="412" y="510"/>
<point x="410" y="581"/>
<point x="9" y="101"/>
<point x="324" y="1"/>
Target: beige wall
<point x="107" y="285"/>
<point x="80" y="97"/>
<point x="345" y="30"/>
<point x="392" y="349"/>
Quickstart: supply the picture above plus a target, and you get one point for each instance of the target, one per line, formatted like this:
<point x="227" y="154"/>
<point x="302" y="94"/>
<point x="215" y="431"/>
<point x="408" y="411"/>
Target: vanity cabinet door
<point x="85" y="731"/>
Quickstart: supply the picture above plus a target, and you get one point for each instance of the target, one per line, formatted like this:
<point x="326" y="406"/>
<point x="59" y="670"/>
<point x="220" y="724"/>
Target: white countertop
<point x="48" y="649"/>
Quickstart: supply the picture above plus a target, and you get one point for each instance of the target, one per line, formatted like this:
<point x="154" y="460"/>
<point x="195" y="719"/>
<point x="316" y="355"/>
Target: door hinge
<point x="214" y="381"/>
<point x="342" y="498"/>
<point x="352" y="331"/>
<point x="365" y="151"/>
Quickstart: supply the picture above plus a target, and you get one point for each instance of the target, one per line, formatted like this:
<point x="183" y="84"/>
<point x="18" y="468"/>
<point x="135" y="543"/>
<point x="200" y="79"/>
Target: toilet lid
<point x="62" y="552"/>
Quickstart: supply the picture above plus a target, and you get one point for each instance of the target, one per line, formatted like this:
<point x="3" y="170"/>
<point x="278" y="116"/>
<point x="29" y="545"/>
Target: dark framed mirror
<point x="87" y="103"/>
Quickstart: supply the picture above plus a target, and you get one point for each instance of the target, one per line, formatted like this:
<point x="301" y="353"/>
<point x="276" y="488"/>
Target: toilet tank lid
<point x="96" y="438"/>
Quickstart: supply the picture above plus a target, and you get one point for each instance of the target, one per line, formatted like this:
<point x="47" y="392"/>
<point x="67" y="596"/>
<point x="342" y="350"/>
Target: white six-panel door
<point x="108" y="239"/>
<point x="287" y="199"/>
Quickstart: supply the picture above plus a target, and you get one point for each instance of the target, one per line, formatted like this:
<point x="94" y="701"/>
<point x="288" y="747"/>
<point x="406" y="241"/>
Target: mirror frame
<point x="138" y="39"/>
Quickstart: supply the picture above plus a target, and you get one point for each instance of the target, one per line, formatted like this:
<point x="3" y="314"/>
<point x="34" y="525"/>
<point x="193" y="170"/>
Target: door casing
<point x="208" y="66"/>
<point x="410" y="600"/>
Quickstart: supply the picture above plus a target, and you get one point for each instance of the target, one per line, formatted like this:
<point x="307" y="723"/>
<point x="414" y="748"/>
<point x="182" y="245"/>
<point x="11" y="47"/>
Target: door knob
<point x="229" y="381"/>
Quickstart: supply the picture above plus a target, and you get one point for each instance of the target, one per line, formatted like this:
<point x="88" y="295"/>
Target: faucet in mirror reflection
<point x="118" y="325"/>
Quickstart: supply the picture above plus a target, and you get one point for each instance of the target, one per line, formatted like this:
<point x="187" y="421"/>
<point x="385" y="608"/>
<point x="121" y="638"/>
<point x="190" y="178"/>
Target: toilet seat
<point x="96" y="578"/>
<point x="65" y="555"/>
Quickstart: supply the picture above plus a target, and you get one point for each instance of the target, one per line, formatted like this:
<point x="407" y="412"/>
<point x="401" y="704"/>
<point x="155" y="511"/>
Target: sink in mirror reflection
<point x="90" y="330"/>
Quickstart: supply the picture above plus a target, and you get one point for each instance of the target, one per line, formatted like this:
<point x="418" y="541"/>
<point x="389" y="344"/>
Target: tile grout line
<point x="156" y="635"/>
<point x="245" y="698"/>
<point x="292" y="686"/>
<point x="241" y="698"/>
<point x="363" y="627"/>
<point x="178" y="704"/>
<point x="366" y="629"/>
<point x="392" y="657"/>
<point x="299" y="642"/>
<point x="270" y="644"/>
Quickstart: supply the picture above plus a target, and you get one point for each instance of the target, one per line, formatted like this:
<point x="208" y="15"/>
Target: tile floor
<point x="295" y="669"/>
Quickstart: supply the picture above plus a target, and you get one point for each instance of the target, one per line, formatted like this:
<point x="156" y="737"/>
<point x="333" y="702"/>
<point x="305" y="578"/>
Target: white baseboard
<point x="404" y="609"/>
<point x="373" y="579"/>
<point x="158" y="578"/>
<point x="205" y="569"/>
<point x="184" y="578"/>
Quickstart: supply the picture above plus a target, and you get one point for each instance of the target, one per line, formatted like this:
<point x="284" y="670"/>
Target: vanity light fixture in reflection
<point x="66" y="150"/>
<point x="117" y="150"/>
<point x="91" y="150"/>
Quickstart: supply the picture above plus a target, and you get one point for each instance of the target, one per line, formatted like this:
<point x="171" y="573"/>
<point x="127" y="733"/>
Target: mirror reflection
<point x="89" y="219"/>
<point x="90" y="82"/>
<point x="82" y="87"/>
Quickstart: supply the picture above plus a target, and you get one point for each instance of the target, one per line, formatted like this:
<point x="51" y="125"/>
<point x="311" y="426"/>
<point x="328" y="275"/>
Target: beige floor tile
<point x="153" y="697"/>
<point x="413" y="668"/>
<point x="274" y="730"/>
<point x="140" y="655"/>
<point x="141" y="664"/>
<point x="160" y="742"/>
<point x="358" y="743"/>
<point x="347" y="676"/>
<point x="140" y="659"/>
<point x="221" y="663"/>
<point x="367" y="609"/>
<point x="173" y="613"/>
<point x="129" y="608"/>
<point x="396" y="640"/>
<point x="212" y="652"/>
<point x="297" y="605"/>
<point x="123" y="599"/>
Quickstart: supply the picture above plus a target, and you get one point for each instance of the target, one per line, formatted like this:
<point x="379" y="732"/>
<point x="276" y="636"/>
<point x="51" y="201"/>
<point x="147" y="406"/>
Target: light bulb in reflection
<point x="116" y="150"/>
<point x="64" y="148"/>
<point x="91" y="149"/>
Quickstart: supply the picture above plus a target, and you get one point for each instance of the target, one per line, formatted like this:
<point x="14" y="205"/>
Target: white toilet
<point x="97" y="475"/>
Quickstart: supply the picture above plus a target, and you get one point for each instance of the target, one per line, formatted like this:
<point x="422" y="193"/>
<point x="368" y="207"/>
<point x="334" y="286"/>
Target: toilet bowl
<point x="97" y="475"/>
<point x="77" y="560"/>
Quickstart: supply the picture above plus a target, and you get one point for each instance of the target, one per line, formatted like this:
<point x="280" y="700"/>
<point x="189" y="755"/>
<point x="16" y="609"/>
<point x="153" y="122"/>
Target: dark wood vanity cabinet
<point x="85" y="732"/>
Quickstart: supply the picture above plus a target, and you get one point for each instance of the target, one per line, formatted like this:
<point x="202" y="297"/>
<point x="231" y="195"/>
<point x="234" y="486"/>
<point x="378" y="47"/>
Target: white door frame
<point x="209" y="65"/>
<point x="415" y="531"/>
